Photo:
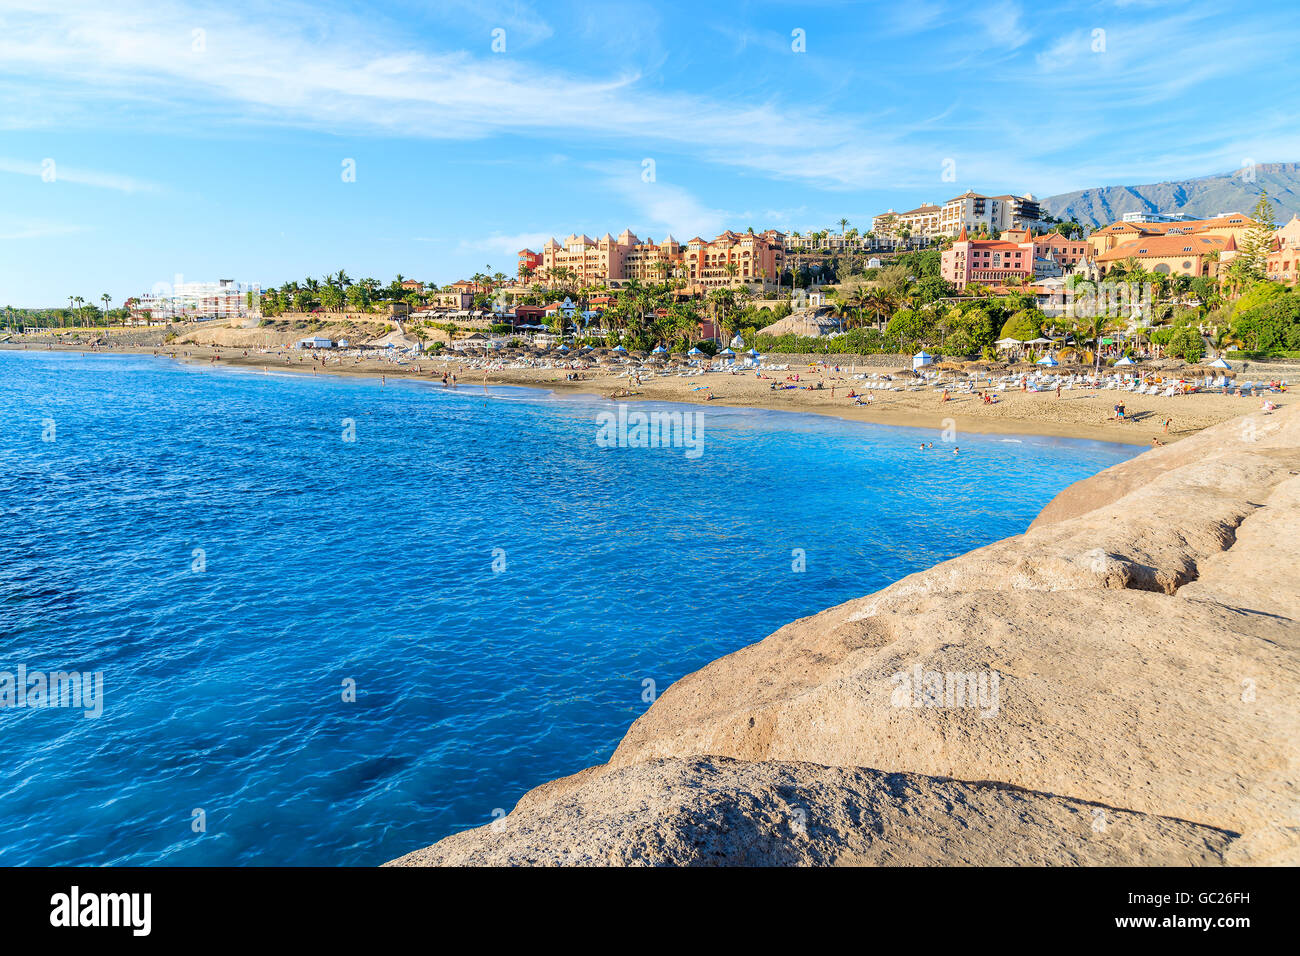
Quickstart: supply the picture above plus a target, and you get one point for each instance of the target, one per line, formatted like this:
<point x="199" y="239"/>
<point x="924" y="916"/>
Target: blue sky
<point x="209" y="140"/>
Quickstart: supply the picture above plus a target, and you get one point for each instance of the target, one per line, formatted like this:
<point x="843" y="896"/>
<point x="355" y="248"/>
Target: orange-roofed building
<point x="1117" y="233"/>
<point x="986" y="261"/>
<point x="1193" y="255"/>
<point x="529" y="262"/>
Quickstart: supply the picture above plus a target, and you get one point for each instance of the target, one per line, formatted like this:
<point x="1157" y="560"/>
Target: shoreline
<point x="1079" y="414"/>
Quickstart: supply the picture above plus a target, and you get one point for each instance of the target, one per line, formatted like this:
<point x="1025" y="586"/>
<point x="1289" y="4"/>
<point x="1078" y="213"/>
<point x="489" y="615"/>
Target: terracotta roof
<point x="1190" y="225"/>
<point x="1163" y="247"/>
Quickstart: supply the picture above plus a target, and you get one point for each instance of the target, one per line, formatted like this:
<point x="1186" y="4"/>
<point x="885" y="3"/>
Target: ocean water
<point x="497" y="587"/>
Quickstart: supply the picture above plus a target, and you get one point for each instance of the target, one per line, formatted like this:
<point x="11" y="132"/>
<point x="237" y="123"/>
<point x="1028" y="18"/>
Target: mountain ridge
<point x="1203" y="197"/>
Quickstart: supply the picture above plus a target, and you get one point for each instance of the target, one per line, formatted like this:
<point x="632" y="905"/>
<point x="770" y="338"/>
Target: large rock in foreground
<point x="1117" y="685"/>
<point x="721" y="812"/>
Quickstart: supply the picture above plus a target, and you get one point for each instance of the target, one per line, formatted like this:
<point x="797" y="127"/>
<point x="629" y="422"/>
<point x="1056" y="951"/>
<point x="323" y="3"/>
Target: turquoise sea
<point x="237" y="553"/>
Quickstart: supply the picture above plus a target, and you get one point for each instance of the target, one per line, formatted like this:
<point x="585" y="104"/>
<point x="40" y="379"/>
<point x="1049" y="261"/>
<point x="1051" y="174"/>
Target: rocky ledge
<point x="1118" y="685"/>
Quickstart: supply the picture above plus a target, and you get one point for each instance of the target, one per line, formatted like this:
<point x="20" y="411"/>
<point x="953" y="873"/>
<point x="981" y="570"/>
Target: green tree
<point x="1024" y="325"/>
<point x="1185" y="343"/>
<point x="1258" y="240"/>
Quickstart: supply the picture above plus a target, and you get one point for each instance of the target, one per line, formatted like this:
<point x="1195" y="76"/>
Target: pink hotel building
<point x="990" y="262"/>
<point x="701" y="264"/>
<point x="986" y="261"/>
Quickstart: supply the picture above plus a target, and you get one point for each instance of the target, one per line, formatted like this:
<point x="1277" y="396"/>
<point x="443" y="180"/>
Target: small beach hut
<point x="922" y="358"/>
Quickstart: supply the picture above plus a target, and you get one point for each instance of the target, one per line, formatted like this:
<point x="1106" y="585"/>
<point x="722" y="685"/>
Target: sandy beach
<point x="1075" y="413"/>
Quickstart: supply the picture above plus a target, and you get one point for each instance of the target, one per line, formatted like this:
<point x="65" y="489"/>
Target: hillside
<point x="1203" y="197"/>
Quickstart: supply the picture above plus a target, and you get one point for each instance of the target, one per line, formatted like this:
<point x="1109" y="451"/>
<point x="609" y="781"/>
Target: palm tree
<point x="1091" y="329"/>
<point x="106" y="299"/>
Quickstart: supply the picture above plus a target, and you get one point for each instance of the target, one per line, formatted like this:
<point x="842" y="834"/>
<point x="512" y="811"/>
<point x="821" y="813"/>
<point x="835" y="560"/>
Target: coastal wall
<point x="1144" y="637"/>
<point x="882" y="360"/>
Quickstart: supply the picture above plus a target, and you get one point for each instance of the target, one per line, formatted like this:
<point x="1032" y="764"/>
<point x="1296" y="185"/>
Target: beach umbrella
<point x="1124" y="361"/>
<point x="694" y="351"/>
<point x="1048" y="360"/>
<point x="1039" y="341"/>
<point x="755" y="353"/>
<point x="727" y="352"/>
<point x="659" y="349"/>
<point x="619" y="348"/>
<point x="563" y="348"/>
<point x="1219" y="363"/>
<point x="1007" y="343"/>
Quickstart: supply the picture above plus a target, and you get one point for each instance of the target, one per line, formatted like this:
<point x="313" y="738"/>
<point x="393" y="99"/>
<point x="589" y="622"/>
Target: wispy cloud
<point x="36" y="229"/>
<point x="1017" y="102"/>
<point x="361" y="78"/>
<point x="659" y="206"/>
<point x="53" y="172"/>
<point x="505" y="246"/>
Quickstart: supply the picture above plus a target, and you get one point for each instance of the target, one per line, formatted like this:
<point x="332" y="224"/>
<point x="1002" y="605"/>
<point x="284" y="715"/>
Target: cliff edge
<point x="1118" y="685"/>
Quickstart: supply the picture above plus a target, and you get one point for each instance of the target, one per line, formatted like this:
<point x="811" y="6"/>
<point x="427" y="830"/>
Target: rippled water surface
<point x="208" y="540"/>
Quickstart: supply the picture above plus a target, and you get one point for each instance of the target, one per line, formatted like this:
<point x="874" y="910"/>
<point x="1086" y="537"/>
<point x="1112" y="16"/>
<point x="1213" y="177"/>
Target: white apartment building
<point x="195" y="301"/>
<point x="970" y="211"/>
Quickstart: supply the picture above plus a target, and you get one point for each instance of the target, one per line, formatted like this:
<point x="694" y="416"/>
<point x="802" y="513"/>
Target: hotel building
<point x="701" y="264"/>
<point x="1119" y="233"/>
<point x="198" y="301"/>
<point x="1284" y="257"/>
<point x="970" y="211"/>
<point x="986" y="261"/>
<point x="1177" y="255"/>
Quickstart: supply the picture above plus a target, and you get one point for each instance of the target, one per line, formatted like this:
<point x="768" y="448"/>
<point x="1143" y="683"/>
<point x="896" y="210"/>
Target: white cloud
<point x="360" y="78"/>
<point x="35" y="229"/>
<point x="660" y="207"/>
<point x="54" y="172"/>
<point x="505" y="246"/>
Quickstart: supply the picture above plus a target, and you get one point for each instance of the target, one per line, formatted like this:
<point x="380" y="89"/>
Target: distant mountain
<point x="1202" y="198"/>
